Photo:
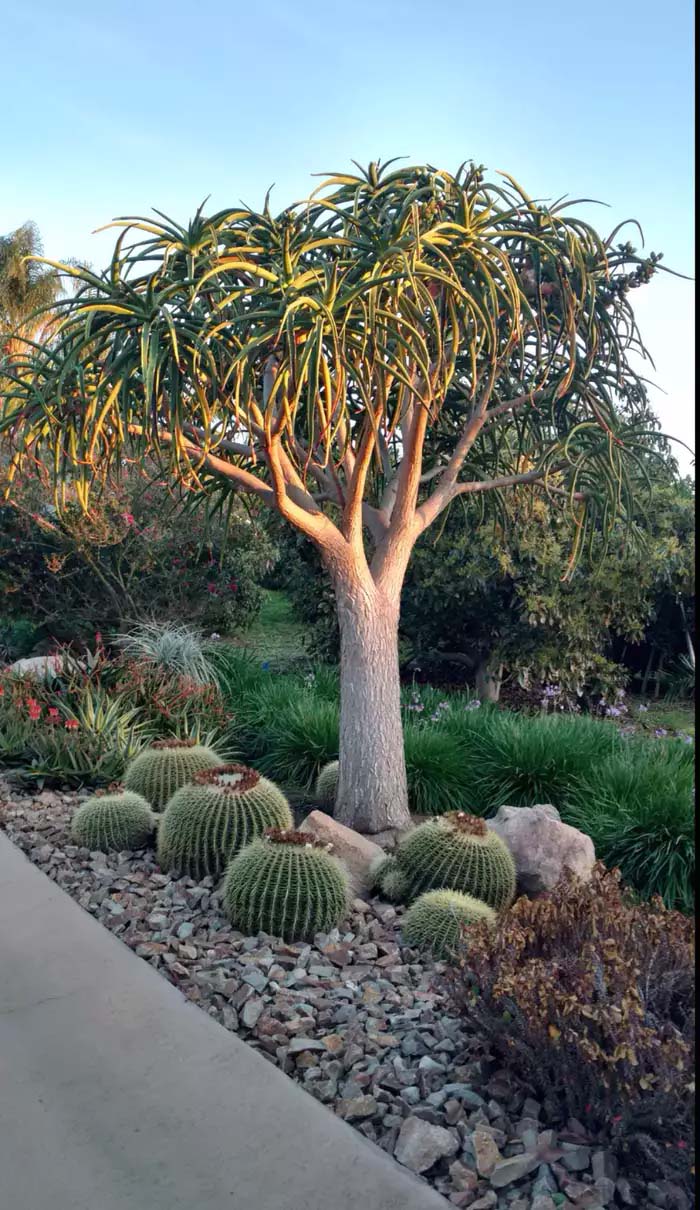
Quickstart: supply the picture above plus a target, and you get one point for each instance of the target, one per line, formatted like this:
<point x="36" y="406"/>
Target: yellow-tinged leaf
<point x="553" y="1032"/>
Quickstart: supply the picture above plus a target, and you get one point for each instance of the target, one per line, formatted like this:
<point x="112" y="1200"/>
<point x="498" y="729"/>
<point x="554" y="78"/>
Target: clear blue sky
<point x="113" y="109"/>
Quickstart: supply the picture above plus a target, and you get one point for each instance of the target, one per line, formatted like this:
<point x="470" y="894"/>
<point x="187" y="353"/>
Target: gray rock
<point x="514" y="1169"/>
<point x="484" y="1203"/>
<point x="463" y="1178"/>
<point x="544" y="849"/>
<point x="420" y="1145"/>
<point x="298" y="1045"/>
<point x="576" y="1157"/>
<point x="255" y="978"/>
<point x="251" y="1012"/>
<point x="356" y="1108"/>
<point x="604" y="1164"/>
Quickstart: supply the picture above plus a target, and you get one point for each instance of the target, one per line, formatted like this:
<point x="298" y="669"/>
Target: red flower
<point x="33" y="708"/>
<point x="233" y="587"/>
<point x="211" y="587"/>
<point x="71" y="724"/>
<point x="53" y="714"/>
<point x="128" y="518"/>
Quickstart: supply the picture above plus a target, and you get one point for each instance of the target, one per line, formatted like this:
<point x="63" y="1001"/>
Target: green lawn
<point x="277" y="634"/>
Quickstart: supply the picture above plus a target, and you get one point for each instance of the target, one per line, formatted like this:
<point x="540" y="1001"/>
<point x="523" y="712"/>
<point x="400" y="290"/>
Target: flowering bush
<point x="589" y="999"/>
<point x="85" y="724"/>
<point x="90" y="741"/>
<point x="133" y="555"/>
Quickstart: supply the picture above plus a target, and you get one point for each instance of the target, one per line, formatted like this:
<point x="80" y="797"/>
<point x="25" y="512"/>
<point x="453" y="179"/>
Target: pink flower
<point x="71" y="724"/>
<point x="128" y="518"/>
<point x="53" y="714"/>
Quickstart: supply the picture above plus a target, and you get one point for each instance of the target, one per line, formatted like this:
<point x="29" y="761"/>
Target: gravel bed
<point x="356" y="1018"/>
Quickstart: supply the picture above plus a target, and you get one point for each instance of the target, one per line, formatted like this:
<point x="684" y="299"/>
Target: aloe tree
<point x="400" y="339"/>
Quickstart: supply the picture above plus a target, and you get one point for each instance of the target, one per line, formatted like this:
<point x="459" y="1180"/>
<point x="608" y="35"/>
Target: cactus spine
<point x="458" y="852"/>
<point x="436" y="919"/>
<point x="166" y="766"/>
<point x="286" y="884"/>
<point x="112" y="820"/>
<point x="219" y="812"/>
<point x="327" y="784"/>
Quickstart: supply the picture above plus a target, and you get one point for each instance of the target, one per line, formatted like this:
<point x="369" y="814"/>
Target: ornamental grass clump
<point x="437" y="921"/>
<point x="587" y="997"/>
<point x="286" y="884"/>
<point x="458" y="852"/>
<point x="112" y="820"/>
<point x="209" y="820"/>
<point x="166" y="766"/>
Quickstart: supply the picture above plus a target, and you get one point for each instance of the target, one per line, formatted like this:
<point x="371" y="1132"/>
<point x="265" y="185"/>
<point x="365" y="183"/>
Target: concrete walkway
<point x="118" y="1094"/>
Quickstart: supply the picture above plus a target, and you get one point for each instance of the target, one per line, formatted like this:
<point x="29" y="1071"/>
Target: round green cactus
<point x="222" y="810"/>
<point x="458" y="852"/>
<point x="168" y="764"/>
<point x="327" y="784"/>
<point x="113" y="820"/>
<point x="435" y="921"/>
<point x="286" y="884"/>
<point x="388" y="879"/>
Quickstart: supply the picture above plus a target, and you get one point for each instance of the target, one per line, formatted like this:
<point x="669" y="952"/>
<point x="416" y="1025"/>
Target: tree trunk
<point x="372" y="791"/>
<point x="488" y="681"/>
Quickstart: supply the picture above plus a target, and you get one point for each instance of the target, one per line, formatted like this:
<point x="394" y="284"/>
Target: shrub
<point x="131" y="555"/>
<point x="88" y="739"/>
<point x="300" y="738"/>
<point x="285" y="884"/>
<point x="588" y="998"/>
<point x="438" y="775"/>
<point x="638" y="809"/>
<point x="458" y="852"/>
<point x="170" y="648"/>
<point x="523" y="761"/>
<point x="327" y="784"/>
<point x="437" y="920"/>
<point x="166" y="766"/>
<point x="18" y="637"/>
<point x="208" y="821"/>
<point x="113" y="820"/>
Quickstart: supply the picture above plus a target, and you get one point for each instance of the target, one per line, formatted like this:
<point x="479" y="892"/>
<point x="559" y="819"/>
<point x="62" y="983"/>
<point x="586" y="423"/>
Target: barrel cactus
<point x="113" y="819"/>
<point x="286" y="884"/>
<point x="168" y="764"/>
<point x="388" y="879"/>
<point x="327" y="784"/>
<point x="435" y="921"/>
<point x="458" y="852"/>
<point x="207" y="821"/>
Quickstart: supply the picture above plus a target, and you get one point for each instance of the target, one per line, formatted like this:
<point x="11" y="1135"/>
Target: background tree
<point x="27" y="288"/>
<point x="305" y="358"/>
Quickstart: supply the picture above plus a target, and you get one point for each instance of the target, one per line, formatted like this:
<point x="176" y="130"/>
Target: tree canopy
<point x="399" y="339"/>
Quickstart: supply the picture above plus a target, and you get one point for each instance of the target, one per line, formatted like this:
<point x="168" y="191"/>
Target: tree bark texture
<point x="372" y="790"/>
<point x="488" y="681"/>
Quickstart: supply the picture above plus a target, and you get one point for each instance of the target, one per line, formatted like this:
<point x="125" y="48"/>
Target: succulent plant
<point x="220" y="811"/>
<point x="458" y="852"/>
<point x="113" y="819"/>
<point x="388" y="879"/>
<point x="165" y="766"/>
<point x="286" y="884"/>
<point x="327" y="784"/>
<point x="435" y="921"/>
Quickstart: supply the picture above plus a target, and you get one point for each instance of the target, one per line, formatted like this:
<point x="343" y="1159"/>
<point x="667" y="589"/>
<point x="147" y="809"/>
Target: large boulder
<point x="545" y="850"/>
<point x="355" y="850"/>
